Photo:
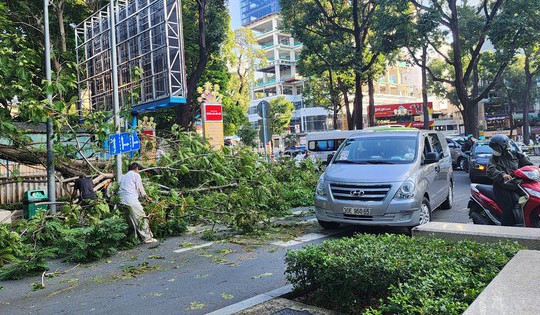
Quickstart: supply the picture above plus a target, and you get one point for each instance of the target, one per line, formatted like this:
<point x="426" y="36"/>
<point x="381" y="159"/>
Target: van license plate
<point x="356" y="211"/>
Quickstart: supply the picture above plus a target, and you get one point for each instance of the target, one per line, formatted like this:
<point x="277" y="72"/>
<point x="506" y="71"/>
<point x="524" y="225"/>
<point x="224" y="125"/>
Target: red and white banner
<point x="407" y="109"/>
<point x="213" y="112"/>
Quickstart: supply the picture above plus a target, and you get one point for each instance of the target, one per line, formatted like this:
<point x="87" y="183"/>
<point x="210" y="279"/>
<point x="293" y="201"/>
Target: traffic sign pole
<point x="116" y="101"/>
<point x="265" y="136"/>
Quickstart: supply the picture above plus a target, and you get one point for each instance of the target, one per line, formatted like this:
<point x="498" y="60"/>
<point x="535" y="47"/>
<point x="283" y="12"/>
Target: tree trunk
<point x="475" y="91"/>
<point x="471" y="123"/>
<point x="61" y="26"/>
<point x="28" y="156"/>
<point x="527" y="98"/>
<point x="345" y="93"/>
<point x="425" y="108"/>
<point x="185" y="115"/>
<point x="335" y="100"/>
<point x="511" y="105"/>
<point x="358" y="115"/>
<point x="371" y="93"/>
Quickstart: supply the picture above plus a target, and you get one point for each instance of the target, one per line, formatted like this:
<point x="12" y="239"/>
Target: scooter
<point x="484" y="210"/>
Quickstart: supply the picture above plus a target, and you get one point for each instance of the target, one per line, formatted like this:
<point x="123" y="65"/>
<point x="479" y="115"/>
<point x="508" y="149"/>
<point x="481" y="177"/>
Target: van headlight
<point x="406" y="191"/>
<point x="320" y="187"/>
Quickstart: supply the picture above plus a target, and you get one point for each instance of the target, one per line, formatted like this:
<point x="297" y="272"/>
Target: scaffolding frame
<point x="149" y="38"/>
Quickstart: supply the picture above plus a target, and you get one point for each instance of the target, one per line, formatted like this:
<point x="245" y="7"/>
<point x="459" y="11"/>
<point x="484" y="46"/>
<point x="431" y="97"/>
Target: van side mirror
<point x="329" y="158"/>
<point x="431" y="158"/>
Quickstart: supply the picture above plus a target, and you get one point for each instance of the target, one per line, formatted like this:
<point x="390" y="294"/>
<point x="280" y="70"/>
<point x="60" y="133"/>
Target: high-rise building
<point x="253" y="10"/>
<point x="279" y="77"/>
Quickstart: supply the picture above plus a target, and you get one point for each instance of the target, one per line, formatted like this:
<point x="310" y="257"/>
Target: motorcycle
<point x="483" y="209"/>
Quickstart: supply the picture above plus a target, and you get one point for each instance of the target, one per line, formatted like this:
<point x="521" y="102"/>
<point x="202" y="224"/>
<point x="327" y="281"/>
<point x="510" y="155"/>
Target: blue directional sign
<point x="135" y="142"/>
<point x="124" y="142"/>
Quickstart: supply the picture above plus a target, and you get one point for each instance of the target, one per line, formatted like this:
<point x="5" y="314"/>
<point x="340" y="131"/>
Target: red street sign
<point x="407" y="109"/>
<point x="213" y="112"/>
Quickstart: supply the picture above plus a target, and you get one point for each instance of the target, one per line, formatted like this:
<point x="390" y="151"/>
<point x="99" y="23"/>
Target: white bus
<point x="321" y="144"/>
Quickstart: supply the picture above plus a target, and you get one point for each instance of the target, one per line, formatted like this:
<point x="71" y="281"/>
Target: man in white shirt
<point x="131" y="188"/>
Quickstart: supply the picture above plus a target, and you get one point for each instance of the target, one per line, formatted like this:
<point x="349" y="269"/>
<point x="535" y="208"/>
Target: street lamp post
<point x="51" y="183"/>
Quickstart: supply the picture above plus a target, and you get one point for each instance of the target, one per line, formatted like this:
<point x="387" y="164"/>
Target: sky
<point x="234" y="11"/>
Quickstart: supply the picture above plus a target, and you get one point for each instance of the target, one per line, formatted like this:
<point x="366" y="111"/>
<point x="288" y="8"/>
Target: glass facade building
<point x="253" y="10"/>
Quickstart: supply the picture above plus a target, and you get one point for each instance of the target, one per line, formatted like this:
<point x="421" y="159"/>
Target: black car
<point x="479" y="159"/>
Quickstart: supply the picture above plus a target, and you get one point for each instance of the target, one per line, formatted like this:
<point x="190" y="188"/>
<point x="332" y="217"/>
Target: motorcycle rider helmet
<point x="499" y="144"/>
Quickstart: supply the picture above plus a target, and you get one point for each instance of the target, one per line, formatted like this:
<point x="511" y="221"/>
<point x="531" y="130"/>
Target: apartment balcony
<point x="267" y="83"/>
<point x="283" y="62"/>
<point x="262" y="32"/>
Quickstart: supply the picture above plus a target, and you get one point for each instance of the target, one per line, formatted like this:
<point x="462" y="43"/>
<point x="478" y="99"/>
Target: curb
<point x="258" y="299"/>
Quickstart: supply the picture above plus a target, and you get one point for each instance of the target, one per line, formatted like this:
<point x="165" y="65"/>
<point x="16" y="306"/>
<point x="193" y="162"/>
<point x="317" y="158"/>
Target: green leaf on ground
<point x="224" y="251"/>
<point x="268" y="274"/>
<point x="202" y="276"/>
<point x="195" y="306"/>
<point x="219" y="260"/>
<point x="155" y="294"/>
<point x="37" y="286"/>
<point x="155" y="257"/>
<point x="226" y="296"/>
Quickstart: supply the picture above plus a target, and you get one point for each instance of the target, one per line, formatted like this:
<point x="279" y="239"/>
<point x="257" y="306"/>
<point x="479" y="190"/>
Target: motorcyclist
<point x="466" y="147"/>
<point x="501" y="165"/>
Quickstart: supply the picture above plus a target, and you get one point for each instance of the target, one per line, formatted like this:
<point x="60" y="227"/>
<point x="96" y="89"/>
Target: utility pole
<point x="51" y="183"/>
<point x="116" y="101"/>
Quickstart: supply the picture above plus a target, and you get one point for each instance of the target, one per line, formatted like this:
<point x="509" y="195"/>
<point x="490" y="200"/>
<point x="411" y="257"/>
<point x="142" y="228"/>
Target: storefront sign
<point x="213" y="112"/>
<point x="407" y="109"/>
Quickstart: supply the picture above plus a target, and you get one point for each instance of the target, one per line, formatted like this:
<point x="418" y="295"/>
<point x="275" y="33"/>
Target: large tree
<point x="469" y="28"/>
<point x="527" y="22"/>
<point x="205" y="27"/>
<point x="360" y="31"/>
<point x="281" y="110"/>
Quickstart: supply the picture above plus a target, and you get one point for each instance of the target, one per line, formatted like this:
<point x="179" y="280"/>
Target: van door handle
<point x="437" y="168"/>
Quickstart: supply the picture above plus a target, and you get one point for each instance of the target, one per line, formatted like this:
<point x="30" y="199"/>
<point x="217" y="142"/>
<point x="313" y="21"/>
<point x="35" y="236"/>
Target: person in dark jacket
<point x="501" y="165"/>
<point x="467" y="146"/>
<point x="85" y="187"/>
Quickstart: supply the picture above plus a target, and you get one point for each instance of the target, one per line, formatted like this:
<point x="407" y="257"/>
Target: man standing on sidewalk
<point x="131" y="188"/>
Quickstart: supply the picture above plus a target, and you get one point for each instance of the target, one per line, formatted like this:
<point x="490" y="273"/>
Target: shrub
<point x="395" y="273"/>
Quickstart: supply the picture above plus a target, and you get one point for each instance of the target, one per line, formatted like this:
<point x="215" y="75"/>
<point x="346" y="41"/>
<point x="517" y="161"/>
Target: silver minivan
<point x="386" y="177"/>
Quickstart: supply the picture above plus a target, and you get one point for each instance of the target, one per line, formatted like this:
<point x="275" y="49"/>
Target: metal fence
<point x="12" y="188"/>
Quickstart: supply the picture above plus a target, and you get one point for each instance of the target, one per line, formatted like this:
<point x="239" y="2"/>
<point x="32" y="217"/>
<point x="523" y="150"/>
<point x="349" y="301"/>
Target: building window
<point x="392" y="79"/>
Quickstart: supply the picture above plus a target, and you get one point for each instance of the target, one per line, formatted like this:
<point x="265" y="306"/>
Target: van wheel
<point x="447" y="204"/>
<point x="425" y="212"/>
<point x="328" y="225"/>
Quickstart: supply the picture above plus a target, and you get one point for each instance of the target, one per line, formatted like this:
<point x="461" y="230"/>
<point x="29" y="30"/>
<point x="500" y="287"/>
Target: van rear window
<point x="325" y="145"/>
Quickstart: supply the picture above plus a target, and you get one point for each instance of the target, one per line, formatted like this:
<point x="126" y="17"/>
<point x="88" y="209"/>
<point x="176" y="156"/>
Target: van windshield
<point x="379" y="150"/>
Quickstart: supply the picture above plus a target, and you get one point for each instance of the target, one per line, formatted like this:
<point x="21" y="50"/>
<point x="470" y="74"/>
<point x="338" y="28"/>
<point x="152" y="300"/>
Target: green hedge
<point x="390" y="274"/>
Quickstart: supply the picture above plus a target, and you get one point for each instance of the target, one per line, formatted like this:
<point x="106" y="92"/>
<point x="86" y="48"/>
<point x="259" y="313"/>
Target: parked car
<point x="479" y="158"/>
<point x="459" y="159"/>
<point x="386" y="178"/>
<point x="293" y="152"/>
<point x="524" y="148"/>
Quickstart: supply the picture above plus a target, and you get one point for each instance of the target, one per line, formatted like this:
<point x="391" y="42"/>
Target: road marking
<point x="303" y="239"/>
<point x="181" y="250"/>
<point x="258" y="299"/>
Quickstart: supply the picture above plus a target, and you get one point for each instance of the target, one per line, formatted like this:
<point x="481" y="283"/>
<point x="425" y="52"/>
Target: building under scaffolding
<point x="150" y="58"/>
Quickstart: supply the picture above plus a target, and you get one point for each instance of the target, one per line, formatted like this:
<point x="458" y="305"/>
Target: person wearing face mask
<point x="501" y="165"/>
